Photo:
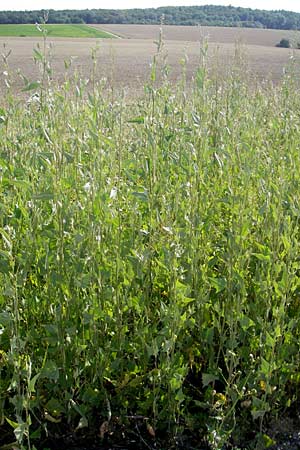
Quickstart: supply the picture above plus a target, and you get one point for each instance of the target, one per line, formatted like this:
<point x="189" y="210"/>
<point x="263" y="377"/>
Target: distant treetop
<point x="227" y="16"/>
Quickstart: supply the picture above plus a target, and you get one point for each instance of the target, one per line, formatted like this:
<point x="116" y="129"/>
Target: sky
<point x="291" y="5"/>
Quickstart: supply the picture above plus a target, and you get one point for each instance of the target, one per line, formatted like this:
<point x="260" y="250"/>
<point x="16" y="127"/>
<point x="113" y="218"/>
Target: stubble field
<point x="225" y="35"/>
<point x="126" y="61"/>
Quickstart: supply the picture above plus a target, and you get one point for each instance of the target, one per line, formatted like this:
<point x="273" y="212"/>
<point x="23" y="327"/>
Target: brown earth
<point x="127" y="62"/>
<point x="224" y="35"/>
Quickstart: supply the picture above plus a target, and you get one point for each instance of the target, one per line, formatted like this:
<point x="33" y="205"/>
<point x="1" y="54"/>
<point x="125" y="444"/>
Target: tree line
<point x="227" y="16"/>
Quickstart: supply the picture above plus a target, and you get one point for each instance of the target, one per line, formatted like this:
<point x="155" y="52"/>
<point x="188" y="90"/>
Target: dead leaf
<point x="11" y="446"/>
<point x="150" y="430"/>
<point x="246" y="404"/>
<point x="104" y="429"/>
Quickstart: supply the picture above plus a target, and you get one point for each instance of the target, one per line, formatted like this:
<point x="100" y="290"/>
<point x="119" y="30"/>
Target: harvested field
<point x="126" y="62"/>
<point x="224" y="35"/>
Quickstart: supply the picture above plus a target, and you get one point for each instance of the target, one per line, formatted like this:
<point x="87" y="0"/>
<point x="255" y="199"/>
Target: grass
<point x="72" y="31"/>
<point x="149" y="261"/>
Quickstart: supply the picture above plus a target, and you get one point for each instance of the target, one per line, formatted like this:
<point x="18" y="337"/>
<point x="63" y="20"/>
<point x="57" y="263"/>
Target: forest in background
<point x="208" y="15"/>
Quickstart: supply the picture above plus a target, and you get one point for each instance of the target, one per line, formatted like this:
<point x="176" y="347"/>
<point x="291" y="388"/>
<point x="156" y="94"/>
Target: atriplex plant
<point x="149" y="259"/>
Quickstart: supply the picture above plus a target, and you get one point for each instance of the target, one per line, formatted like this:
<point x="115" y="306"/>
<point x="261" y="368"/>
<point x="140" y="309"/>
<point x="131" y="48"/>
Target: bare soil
<point x="221" y="35"/>
<point x="127" y="62"/>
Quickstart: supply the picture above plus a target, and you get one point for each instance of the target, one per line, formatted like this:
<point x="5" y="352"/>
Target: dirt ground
<point x="126" y="62"/>
<point x="221" y="35"/>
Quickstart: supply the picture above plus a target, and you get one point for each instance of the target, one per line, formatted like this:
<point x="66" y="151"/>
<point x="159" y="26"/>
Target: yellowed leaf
<point x="262" y="385"/>
<point x="50" y="418"/>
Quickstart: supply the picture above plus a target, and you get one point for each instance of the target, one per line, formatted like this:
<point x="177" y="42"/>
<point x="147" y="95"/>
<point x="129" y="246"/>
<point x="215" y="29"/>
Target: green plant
<point x="284" y="43"/>
<point x="149" y="256"/>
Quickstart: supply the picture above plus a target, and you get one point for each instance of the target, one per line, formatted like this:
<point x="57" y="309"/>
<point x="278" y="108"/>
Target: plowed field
<point x="127" y="61"/>
<point x="225" y="35"/>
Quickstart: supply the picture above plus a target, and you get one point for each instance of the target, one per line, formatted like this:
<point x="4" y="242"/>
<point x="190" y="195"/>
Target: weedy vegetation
<point x="284" y="43"/>
<point x="149" y="259"/>
<point x="287" y="43"/>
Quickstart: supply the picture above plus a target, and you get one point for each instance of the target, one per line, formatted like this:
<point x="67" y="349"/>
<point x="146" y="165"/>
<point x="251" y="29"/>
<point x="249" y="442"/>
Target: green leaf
<point x="50" y="370"/>
<point x="260" y="408"/>
<point x="265" y="367"/>
<point x="19" y="183"/>
<point x="4" y="255"/>
<point x="5" y="259"/>
<point x="83" y="423"/>
<point x="180" y="397"/>
<point x="5" y="318"/>
<point x="20" y="431"/>
<point x="270" y="341"/>
<point x="256" y="414"/>
<point x="43" y="196"/>
<point x="6" y="238"/>
<point x="38" y="55"/>
<point x="268" y="442"/>
<point x="32" y="382"/>
<point x="208" y="378"/>
<point x="54" y="407"/>
<point x="200" y="76"/>
<point x="139" y="119"/>
<point x="246" y="323"/>
<point x="77" y="408"/>
<point x="261" y="257"/>
<point x="36" y="434"/>
<point x="196" y="119"/>
<point x="143" y="196"/>
<point x="12" y="423"/>
<point x="31" y="86"/>
<point x="218" y="283"/>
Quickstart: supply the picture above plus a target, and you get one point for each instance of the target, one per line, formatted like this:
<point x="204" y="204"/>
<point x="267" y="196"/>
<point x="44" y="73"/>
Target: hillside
<point x="228" y="16"/>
